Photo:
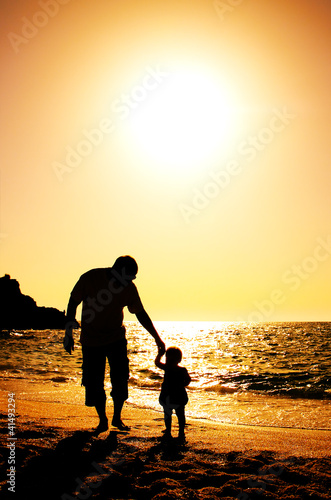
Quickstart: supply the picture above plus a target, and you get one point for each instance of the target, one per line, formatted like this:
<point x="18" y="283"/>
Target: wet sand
<point x="57" y="455"/>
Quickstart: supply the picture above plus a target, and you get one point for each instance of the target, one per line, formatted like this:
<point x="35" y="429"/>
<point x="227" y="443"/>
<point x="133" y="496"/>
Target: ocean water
<point x="266" y="374"/>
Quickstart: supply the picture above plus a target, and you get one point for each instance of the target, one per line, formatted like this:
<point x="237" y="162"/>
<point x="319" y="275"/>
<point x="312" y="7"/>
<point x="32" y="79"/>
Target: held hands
<point x="161" y="348"/>
<point x="160" y="352"/>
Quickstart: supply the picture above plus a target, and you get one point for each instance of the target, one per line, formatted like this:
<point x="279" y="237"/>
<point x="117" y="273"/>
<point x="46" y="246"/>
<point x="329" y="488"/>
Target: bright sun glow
<point x="185" y="121"/>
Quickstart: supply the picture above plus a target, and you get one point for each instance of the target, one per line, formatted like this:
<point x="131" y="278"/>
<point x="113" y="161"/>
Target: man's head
<point x="126" y="266"/>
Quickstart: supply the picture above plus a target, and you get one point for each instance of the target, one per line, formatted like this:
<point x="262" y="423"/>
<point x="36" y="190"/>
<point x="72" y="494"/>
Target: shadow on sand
<point x="54" y="463"/>
<point x="82" y="465"/>
<point x="59" y="471"/>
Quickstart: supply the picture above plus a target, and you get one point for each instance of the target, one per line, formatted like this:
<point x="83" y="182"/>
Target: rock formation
<point x="20" y="312"/>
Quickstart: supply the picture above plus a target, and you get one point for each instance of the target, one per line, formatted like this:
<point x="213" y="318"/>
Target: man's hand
<point x="68" y="343"/>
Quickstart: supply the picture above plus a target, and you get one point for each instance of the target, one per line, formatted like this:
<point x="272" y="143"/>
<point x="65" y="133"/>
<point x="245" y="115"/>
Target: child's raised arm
<point x="158" y="362"/>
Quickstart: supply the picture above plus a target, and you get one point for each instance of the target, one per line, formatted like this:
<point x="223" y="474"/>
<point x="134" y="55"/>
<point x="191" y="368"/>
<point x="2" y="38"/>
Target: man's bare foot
<point x="102" y="427"/>
<point x="117" y="422"/>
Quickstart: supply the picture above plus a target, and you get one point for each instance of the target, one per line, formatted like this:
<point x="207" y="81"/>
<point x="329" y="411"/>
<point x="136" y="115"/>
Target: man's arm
<point x="146" y="322"/>
<point x="68" y="341"/>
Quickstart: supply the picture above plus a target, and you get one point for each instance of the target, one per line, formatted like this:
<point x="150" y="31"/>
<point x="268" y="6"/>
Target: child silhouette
<point x="173" y="393"/>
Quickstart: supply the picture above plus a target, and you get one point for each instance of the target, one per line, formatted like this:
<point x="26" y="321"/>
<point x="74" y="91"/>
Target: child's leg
<point x="167" y="419"/>
<point x="180" y="412"/>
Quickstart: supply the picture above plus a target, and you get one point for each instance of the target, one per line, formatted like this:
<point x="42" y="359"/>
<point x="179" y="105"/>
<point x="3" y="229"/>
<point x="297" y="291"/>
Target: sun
<point x="184" y="123"/>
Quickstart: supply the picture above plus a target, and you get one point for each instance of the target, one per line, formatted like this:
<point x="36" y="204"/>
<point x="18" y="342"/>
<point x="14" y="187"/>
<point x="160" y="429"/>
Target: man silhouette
<point x="104" y="293"/>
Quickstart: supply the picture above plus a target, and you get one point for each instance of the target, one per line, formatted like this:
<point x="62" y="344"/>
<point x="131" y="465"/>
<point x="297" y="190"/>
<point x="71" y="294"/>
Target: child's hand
<point x="160" y="352"/>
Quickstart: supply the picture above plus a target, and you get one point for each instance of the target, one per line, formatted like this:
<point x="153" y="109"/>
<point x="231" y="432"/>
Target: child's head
<point x="173" y="355"/>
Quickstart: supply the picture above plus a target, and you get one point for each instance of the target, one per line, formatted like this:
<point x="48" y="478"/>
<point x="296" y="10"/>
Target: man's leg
<point x="118" y="405"/>
<point x="103" y="420"/>
<point x="119" y="376"/>
<point x="94" y="363"/>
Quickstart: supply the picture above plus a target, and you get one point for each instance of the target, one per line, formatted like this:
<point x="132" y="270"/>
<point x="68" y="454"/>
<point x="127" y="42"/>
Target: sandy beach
<point x="57" y="456"/>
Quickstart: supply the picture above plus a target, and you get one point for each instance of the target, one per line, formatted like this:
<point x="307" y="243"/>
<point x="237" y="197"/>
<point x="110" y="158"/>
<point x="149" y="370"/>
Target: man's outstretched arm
<point x="68" y="341"/>
<point x="146" y="322"/>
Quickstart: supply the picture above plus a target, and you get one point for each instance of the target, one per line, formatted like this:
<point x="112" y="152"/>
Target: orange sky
<point x="193" y="135"/>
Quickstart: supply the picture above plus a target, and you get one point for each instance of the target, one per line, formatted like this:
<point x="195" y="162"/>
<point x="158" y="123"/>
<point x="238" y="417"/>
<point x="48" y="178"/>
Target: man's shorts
<point x="94" y="364"/>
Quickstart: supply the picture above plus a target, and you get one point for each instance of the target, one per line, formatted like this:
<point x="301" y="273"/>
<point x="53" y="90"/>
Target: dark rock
<point x="20" y="312"/>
